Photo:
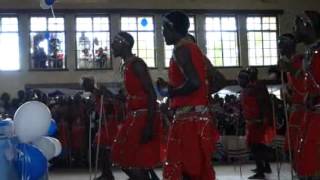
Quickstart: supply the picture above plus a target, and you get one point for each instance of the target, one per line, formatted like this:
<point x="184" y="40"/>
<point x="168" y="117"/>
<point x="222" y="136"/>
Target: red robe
<point x="308" y="155"/>
<point x="297" y="108"/>
<point x="63" y="135"/>
<point x="257" y="133"/>
<point x="127" y="150"/>
<point x="192" y="135"/>
<point x="109" y="123"/>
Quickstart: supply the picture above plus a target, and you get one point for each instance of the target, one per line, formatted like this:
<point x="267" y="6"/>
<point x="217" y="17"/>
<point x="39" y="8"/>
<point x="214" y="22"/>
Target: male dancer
<point x="137" y="145"/>
<point x="307" y="31"/>
<point x="109" y="126"/>
<point x="192" y="134"/>
<point x="296" y="89"/>
<point x="256" y="109"/>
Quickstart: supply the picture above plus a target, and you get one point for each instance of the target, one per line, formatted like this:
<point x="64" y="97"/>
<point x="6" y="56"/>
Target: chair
<point x="236" y="148"/>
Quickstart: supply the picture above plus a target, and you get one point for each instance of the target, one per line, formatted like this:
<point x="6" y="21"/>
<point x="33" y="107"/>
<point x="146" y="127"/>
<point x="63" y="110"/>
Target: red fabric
<point x="190" y="147"/>
<point x="78" y="132"/>
<point x="109" y="131"/>
<point x="110" y="124"/>
<point x="128" y="151"/>
<point x="297" y="83"/>
<point x="137" y="97"/>
<point x="256" y="133"/>
<point x="314" y="71"/>
<point x="308" y="155"/>
<point x="63" y="134"/>
<point x="297" y="98"/>
<point x="177" y="78"/>
<point x="250" y="107"/>
<point x="295" y="120"/>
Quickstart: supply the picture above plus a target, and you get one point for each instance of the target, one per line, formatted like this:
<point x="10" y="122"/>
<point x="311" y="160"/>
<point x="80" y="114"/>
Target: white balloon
<point x="9" y="130"/>
<point x="46" y="146"/>
<point x="57" y="145"/>
<point x="44" y="5"/>
<point x="31" y="121"/>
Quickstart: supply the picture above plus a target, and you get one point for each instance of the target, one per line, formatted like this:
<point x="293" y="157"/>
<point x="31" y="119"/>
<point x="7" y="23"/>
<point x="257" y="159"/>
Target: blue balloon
<point x="30" y="163"/>
<point x="52" y="128"/>
<point x="144" y="22"/>
<point x="49" y="2"/>
<point x="47" y="35"/>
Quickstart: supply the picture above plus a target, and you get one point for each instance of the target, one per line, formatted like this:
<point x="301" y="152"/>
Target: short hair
<point x="253" y="73"/>
<point x="179" y="21"/>
<point x="244" y="74"/>
<point x="127" y="38"/>
<point x="87" y="79"/>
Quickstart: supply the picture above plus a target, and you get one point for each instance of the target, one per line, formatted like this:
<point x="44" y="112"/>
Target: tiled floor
<point x="223" y="172"/>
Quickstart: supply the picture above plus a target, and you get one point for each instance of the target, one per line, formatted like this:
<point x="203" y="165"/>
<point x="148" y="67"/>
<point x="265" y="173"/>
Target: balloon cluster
<point x="33" y="127"/>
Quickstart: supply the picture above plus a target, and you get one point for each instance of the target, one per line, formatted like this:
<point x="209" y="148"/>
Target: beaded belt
<point x="136" y="111"/>
<point x="186" y="111"/>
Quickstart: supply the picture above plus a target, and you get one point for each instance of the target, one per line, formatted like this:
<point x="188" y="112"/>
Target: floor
<point x="223" y="172"/>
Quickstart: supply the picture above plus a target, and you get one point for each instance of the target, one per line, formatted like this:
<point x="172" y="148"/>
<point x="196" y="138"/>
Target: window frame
<point x="14" y="15"/>
<point x="81" y="15"/>
<point x="238" y="36"/>
<point x="277" y="36"/>
<point x="137" y="15"/>
<point x="57" y="15"/>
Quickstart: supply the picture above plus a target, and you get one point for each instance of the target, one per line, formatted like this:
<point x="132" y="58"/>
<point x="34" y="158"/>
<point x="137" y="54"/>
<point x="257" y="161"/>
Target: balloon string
<point x="52" y="11"/>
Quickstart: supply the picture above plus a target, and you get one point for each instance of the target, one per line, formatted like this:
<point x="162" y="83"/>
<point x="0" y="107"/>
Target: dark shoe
<point x="268" y="170"/>
<point x="101" y="178"/>
<point x="257" y="176"/>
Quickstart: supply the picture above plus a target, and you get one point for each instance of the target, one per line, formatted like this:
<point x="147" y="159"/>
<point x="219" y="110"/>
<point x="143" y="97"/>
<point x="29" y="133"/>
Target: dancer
<point x="192" y="134"/>
<point x="137" y="146"/>
<point x="256" y="109"/>
<point x="307" y="31"/>
<point x="296" y="90"/>
<point x="109" y="124"/>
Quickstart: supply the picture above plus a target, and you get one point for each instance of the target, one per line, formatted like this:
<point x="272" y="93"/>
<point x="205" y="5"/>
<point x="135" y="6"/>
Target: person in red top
<point x="192" y="134"/>
<point x="256" y="109"/>
<point x="296" y="89"/>
<point x="109" y="125"/>
<point x="137" y="145"/>
<point x="307" y="31"/>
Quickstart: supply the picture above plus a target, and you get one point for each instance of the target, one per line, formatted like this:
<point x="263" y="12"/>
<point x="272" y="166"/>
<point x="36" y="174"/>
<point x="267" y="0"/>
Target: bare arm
<point x="141" y="70"/>
<point x="192" y="80"/>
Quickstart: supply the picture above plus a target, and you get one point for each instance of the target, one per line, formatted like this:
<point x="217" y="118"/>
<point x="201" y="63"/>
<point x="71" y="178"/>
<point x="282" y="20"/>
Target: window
<point x="93" y="43"/>
<point x="262" y="40"/>
<point x="9" y="44"/>
<point x="142" y="30"/>
<point x="222" y="41"/>
<point x="169" y="49"/>
<point x="47" y="43"/>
